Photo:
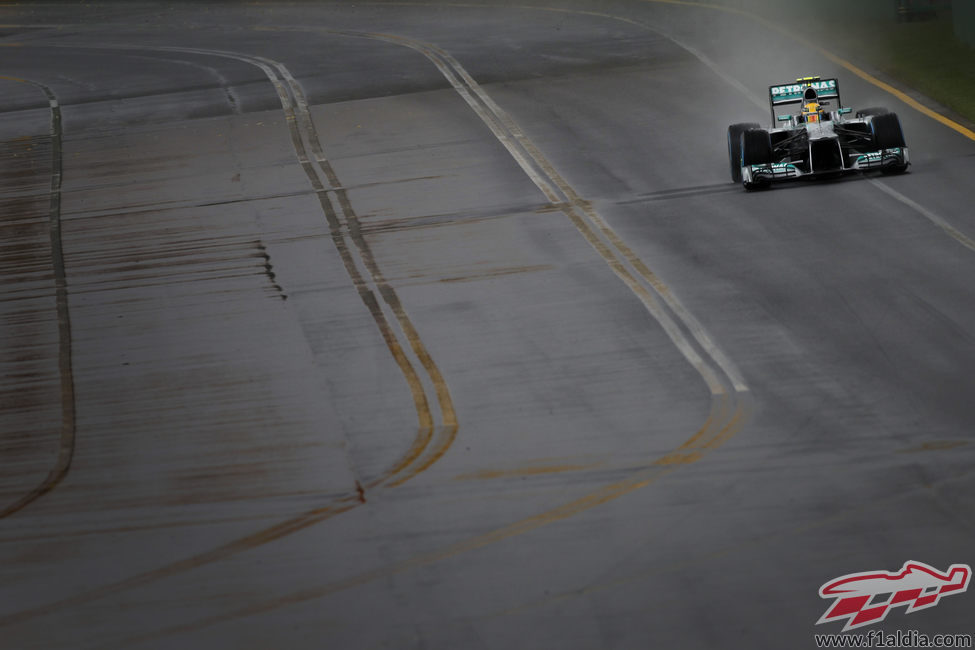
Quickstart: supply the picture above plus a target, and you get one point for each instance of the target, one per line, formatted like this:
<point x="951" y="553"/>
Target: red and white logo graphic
<point x="865" y="598"/>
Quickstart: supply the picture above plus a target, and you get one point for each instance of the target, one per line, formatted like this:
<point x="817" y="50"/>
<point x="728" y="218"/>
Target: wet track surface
<point x="432" y="326"/>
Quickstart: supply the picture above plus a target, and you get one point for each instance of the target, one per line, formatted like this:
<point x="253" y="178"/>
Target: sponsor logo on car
<point x="792" y="89"/>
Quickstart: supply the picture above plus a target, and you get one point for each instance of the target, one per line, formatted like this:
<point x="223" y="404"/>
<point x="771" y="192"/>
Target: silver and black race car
<point x="815" y="142"/>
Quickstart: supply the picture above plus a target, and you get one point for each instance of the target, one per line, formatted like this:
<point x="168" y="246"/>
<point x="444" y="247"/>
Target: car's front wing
<point x="874" y="160"/>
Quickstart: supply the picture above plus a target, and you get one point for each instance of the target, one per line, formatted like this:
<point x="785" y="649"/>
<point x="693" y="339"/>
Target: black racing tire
<point x="734" y="147"/>
<point x="887" y="132"/>
<point x="872" y="110"/>
<point x="756" y="149"/>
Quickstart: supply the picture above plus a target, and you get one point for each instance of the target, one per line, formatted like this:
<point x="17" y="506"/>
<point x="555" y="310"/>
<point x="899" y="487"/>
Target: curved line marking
<point x="68" y="428"/>
<point x="640" y="479"/>
<point x="224" y="551"/>
<point x="447" y="433"/>
<point x="752" y="544"/>
<point x="299" y="119"/>
<point x="390" y="477"/>
<point x="296" y="111"/>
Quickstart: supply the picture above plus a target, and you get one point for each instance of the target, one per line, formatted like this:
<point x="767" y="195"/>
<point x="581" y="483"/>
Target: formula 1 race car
<point x="815" y="142"/>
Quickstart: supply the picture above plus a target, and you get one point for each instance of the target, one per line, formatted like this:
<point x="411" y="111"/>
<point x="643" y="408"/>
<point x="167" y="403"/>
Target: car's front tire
<point x="887" y="134"/>
<point x="734" y="147"/>
<point x="756" y="149"/>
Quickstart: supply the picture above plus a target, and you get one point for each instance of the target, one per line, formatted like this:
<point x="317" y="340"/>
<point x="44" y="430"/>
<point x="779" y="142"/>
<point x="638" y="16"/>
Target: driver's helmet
<point x="811" y="110"/>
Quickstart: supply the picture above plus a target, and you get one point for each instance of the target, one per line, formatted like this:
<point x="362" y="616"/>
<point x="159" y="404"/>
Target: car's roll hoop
<point x="794" y="93"/>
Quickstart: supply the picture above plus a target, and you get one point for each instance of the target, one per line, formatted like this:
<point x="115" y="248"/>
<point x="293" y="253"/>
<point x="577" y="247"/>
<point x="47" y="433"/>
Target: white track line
<point x="934" y="218"/>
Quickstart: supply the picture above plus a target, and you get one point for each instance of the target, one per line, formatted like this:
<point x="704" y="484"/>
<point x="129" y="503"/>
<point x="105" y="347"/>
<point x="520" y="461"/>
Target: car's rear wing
<point x="785" y="94"/>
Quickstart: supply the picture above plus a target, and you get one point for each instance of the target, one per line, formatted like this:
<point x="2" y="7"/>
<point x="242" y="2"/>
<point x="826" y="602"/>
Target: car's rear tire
<point x="734" y="147"/>
<point x="756" y="149"/>
<point x="872" y="110"/>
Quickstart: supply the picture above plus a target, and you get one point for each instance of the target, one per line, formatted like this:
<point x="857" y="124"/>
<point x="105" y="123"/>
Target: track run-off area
<point x="441" y="325"/>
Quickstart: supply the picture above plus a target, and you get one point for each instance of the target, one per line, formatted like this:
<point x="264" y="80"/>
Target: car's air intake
<point x="825" y="155"/>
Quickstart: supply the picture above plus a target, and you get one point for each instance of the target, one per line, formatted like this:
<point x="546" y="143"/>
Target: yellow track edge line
<point x="234" y="547"/>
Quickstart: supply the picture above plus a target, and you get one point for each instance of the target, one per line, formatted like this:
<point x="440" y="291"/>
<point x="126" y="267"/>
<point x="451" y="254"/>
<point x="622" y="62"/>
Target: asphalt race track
<point x="361" y="326"/>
